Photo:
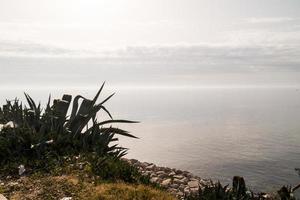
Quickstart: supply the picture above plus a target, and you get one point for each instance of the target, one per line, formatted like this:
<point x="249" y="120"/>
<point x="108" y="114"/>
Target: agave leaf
<point x="75" y="106"/>
<point x="105" y="100"/>
<point x="98" y="93"/>
<point x="67" y="97"/>
<point x="85" y="107"/>
<point x="100" y="106"/>
<point x="116" y="121"/>
<point x="118" y="131"/>
<point x="30" y="102"/>
<point x="61" y="108"/>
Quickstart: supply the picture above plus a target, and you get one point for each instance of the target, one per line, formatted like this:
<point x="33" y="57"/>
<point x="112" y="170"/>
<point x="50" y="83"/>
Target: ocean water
<point x="213" y="132"/>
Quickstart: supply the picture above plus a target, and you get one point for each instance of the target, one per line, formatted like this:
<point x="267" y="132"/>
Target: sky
<point x="162" y="42"/>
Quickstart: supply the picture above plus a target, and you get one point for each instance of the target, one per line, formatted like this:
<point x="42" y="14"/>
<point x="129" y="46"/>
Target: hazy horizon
<point x="149" y="43"/>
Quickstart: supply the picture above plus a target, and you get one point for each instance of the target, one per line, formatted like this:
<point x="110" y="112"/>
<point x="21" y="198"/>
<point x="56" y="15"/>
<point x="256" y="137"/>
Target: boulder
<point x="154" y="180"/>
<point x="172" y="173"/>
<point x="150" y="167"/>
<point x="166" y="182"/>
<point x="193" y="184"/>
<point x="178" y="176"/>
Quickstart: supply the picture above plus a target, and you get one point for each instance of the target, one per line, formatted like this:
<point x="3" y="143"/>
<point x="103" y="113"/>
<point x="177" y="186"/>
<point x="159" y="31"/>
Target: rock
<point x="150" y="167"/>
<point x="167" y="169"/>
<point x="178" y="181"/>
<point x="10" y="124"/>
<point x="181" y="187"/>
<point x="186" y="190"/>
<point x="172" y="173"/>
<point x="154" y="180"/>
<point x="21" y="170"/>
<point x="194" y="190"/>
<point x="163" y="176"/>
<point x="172" y="190"/>
<point x="133" y="161"/>
<point x="2" y="197"/>
<point x="66" y="198"/>
<point x="174" y="185"/>
<point x="178" y="176"/>
<point x="145" y="164"/>
<point x="147" y="173"/>
<point x="12" y="184"/>
<point x="193" y="184"/>
<point x="80" y="166"/>
<point x="166" y="182"/>
<point x="179" y="194"/>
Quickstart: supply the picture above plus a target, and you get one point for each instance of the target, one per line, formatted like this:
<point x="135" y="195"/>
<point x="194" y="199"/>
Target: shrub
<point x="30" y="134"/>
<point x="113" y="169"/>
<point x="216" y="191"/>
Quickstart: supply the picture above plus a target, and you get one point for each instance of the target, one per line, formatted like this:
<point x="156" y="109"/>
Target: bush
<point x="34" y="136"/>
<point x="216" y="191"/>
<point x="116" y="169"/>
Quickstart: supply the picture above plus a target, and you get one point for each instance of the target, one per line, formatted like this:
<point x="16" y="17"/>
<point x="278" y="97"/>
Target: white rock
<point x="150" y="167"/>
<point x="160" y="172"/>
<point x="193" y="184"/>
<point x="186" y="190"/>
<point x="154" y="179"/>
<point x="178" y="181"/>
<point x="21" y="170"/>
<point x="166" y="182"/>
<point x="10" y="124"/>
<point x="172" y="173"/>
<point x="66" y="198"/>
<point x="178" y="176"/>
<point x="194" y="190"/>
<point x="179" y="193"/>
<point x="2" y="197"/>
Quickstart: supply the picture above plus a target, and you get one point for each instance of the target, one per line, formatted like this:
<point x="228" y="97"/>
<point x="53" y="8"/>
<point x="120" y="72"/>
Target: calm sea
<point x="213" y="132"/>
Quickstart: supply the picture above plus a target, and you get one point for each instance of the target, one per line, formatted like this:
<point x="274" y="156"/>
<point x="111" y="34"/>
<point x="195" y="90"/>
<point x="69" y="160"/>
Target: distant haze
<point x="169" y="43"/>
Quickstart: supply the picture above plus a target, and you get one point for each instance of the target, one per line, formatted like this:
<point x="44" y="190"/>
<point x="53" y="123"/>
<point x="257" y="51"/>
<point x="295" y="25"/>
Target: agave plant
<point x="36" y="132"/>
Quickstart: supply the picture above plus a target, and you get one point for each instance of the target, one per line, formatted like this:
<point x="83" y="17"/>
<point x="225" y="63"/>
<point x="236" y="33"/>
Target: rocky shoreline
<point x="179" y="183"/>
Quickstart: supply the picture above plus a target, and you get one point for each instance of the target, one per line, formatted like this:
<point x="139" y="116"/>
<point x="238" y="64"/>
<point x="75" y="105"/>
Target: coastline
<point x="178" y="182"/>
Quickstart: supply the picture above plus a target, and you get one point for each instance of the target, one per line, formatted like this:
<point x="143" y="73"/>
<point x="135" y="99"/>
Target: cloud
<point x="255" y="20"/>
<point x="202" y="54"/>
<point x="21" y="48"/>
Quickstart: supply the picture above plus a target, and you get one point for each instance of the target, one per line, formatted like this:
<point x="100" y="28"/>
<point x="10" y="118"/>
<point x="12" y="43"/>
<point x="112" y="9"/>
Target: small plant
<point x="31" y="135"/>
<point x="216" y="191"/>
<point x="286" y="193"/>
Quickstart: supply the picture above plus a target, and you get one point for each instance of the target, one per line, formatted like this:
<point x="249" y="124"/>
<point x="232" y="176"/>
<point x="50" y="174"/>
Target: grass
<point x="56" y="187"/>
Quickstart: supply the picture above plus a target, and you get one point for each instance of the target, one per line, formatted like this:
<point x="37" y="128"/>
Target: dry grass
<point x="57" y="187"/>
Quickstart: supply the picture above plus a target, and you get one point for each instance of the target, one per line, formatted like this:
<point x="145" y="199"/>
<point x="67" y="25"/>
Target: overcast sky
<point x="185" y="38"/>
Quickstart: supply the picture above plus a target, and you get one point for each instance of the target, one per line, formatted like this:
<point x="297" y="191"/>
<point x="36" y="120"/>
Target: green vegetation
<point x="37" y="137"/>
<point x="50" y="187"/>
<point x="239" y="191"/>
<point x="66" y="151"/>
